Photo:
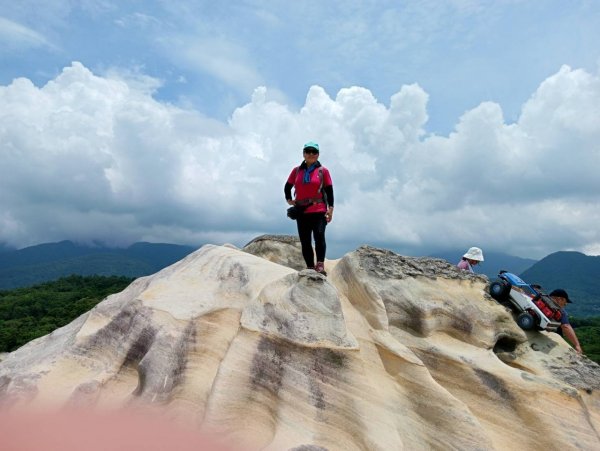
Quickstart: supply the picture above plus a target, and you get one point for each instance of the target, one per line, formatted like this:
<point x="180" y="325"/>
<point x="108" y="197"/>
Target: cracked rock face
<point x="386" y="353"/>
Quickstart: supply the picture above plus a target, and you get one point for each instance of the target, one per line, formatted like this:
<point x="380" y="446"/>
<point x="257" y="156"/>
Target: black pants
<point x="312" y="224"/>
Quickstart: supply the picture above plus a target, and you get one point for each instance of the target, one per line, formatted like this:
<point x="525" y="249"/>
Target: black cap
<point x="559" y="292"/>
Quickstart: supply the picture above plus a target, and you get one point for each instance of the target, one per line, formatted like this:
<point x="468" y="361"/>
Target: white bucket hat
<point x="474" y="253"/>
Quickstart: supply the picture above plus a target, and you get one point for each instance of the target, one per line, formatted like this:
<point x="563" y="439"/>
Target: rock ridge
<point x="387" y="352"/>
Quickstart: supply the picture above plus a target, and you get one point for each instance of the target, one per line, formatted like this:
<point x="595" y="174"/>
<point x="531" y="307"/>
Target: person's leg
<point x="319" y="225"/>
<point x="304" y="224"/>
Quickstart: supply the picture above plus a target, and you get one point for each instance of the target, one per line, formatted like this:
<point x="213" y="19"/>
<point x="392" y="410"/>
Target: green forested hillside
<point x="28" y="313"/>
<point x="588" y="333"/>
<point x="49" y="261"/>
<point x="85" y="265"/>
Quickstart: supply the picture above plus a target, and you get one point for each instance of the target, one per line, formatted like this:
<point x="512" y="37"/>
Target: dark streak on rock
<point x="237" y="274"/>
<point x="462" y="324"/>
<point x="136" y="353"/>
<point x="284" y="327"/>
<point x="493" y="382"/>
<point x="316" y="393"/>
<point x="163" y="369"/>
<point x="326" y="366"/>
<point x="430" y="357"/>
<point x="335" y="358"/>
<point x="268" y="365"/>
<point x="4" y="383"/>
<point x="321" y="366"/>
<point x="406" y="317"/>
<point x="188" y="339"/>
<point x="117" y="331"/>
<point x="140" y="347"/>
<point x="142" y="371"/>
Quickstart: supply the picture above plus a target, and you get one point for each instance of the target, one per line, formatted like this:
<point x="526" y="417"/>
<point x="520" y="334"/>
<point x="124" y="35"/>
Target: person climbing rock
<point x="561" y="297"/>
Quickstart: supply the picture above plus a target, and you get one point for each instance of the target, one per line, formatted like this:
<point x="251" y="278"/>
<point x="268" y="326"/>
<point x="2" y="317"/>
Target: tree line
<point x="588" y="333"/>
<point x="28" y="313"/>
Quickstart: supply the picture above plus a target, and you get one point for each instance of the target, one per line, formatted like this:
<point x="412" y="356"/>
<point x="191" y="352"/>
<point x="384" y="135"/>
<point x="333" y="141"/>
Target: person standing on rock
<point x="473" y="257"/>
<point x="314" y="202"/>
<point x="561" y="297"/>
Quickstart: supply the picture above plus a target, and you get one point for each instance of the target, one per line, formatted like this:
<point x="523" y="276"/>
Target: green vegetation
<point x="588" y="332"/>
<point x="28" y="313"/>
<point x="46" y="262"/>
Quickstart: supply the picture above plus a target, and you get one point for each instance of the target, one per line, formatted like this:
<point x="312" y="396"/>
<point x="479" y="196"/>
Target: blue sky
<point x="451" y="121"/>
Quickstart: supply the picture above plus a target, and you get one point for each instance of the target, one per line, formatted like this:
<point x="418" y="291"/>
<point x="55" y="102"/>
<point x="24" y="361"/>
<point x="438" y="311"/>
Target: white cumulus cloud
<point x="91" y="157"/>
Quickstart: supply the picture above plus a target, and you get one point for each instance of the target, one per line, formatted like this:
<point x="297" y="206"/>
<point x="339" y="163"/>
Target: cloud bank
<point x="89" y="157"/>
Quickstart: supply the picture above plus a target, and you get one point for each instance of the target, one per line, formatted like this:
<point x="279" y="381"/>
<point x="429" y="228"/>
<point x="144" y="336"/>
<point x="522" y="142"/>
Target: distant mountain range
<point x="45" y="262"/>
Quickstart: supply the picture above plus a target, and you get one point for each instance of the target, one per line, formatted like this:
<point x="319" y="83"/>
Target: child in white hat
<point x="472" y="257"/>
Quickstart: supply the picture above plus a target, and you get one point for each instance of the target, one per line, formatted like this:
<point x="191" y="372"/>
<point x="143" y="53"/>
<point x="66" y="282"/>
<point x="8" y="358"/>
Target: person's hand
<point x="291" y="202"/>
<point x="329" y="215"/>
<point x="578" y="349"/>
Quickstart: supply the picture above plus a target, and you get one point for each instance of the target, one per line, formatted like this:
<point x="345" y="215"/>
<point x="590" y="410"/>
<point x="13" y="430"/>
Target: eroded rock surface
<point x="387" y="353"/>
<point x="282" y="249"/>
<point x="307" y="311"/>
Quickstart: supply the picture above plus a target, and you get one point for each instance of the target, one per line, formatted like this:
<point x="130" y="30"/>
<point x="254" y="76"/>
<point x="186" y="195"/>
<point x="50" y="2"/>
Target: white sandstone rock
<point x="387" y="353"/>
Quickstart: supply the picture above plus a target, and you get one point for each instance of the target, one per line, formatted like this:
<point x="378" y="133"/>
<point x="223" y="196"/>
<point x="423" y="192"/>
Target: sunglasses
<point x="311" y="150"/>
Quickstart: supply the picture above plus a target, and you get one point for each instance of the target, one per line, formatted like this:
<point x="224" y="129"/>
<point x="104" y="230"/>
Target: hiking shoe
<point x="320" y="268"/>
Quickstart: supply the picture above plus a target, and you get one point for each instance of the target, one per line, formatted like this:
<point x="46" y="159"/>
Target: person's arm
<point x="571" y="336"/>
<point x="329" y="194"/>
<point x="287" y="190"/>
